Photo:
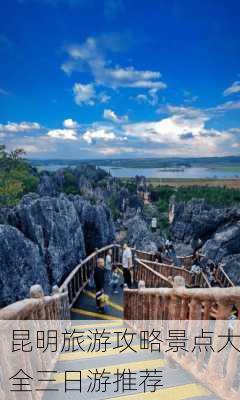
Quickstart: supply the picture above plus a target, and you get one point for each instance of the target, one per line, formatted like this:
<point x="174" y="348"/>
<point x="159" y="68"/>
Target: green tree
<point x="17" y="177"/>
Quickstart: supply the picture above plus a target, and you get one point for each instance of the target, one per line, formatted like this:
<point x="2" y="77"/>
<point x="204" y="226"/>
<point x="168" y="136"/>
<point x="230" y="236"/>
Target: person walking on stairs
<point x="127" y="264"/>
<point x="108" y="266"/>
<point x="99" y="280"/>
<point x="114" y="280"/>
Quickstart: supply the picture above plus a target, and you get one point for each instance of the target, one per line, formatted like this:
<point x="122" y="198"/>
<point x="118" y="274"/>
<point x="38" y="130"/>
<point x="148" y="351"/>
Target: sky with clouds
<point x="120" y="78"/>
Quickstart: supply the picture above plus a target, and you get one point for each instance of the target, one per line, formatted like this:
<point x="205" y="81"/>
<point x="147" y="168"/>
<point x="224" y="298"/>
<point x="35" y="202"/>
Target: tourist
<point x="115" y="279"/>
<point x="158" y="255"/>
<point x="99" y="279"/>
<point x="108" y="266"/>
<point x="127" y="264"/>
<point x="196" y="244"/>
<point x="168" y="243"/>
<point x="195" y="271"/>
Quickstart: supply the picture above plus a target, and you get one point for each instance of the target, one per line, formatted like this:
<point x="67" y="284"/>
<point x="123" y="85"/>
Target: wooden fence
<point x="197" y="308"/>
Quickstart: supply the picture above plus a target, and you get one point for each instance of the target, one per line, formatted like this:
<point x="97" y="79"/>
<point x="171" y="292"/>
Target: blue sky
<point x="120" y="78"/>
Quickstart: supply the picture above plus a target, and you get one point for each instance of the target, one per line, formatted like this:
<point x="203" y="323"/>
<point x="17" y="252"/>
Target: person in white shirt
<point x="108" y="266"/>
<point x="195" y="269"/>
<point x="127" y="263"/>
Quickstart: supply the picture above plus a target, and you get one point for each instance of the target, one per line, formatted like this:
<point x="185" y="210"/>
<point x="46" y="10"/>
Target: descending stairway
<point x="177" y="384"/>
<point x="157" y="300"/>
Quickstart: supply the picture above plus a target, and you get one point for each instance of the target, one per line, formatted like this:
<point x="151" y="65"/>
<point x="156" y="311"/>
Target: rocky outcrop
<point x="139" y="235"/>
<point x="50" y="183"/>
<point x="217" y="228"/>
<point x="21" y="265"/>
<point x="231" y="265"/>
<point x="96" y="222"/>
<point x="225" y="241"/>
<point x="52" y="223"/>
<point x="56" y="233"/>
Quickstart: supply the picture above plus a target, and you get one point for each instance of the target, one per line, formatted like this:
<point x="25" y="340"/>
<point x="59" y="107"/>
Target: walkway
<point x="176" y="383"/>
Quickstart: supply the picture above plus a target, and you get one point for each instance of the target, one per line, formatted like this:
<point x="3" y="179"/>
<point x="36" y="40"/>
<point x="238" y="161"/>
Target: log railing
<point x="223" y="278"/>
<point x="152" y="278"/>
<point x="39" y="307"/>
<point x="184" y="261"/>
<point x="180" y="303"/>
<point x="193" y="309"/>
<point x="170" y="271"/>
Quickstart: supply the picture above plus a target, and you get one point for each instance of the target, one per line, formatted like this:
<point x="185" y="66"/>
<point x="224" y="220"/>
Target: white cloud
<point x="91" y="55"/>
<point x="128" y="77"/>
<point x="103" y="97"/>
<point x="84" y="94"/>
<point x="32" y="144"/>
<point x="184" y="132"/>
<point x="167" y="130"/>
<point x="64" y="134"/>
<point x="110" y="151"/>
<point x="70" y="124"/>
<point x="188" y="97"/>
<point x="150" y="98"/>
<point x="100" y="134"/>
<point x="234" y="88"/>
<point x="228" y="106"/>
<point x="13" y="127"/>
<point x="186" y="112"/>
<point x="112" y="116"/>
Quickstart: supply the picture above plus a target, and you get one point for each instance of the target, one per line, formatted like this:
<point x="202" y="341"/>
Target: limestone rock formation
<point x="217" y="228"/>
<point x="56" y="233"/>
<point x="21" y="265"/>
<point x="52" y="223"/>
<point x="96" y="222"/>
<point x="50" y="184"/>
<point x="139" y="235"/>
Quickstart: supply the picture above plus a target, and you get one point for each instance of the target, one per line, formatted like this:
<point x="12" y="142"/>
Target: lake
<point x="174" y="173"/>
<point x="183" y="173"/>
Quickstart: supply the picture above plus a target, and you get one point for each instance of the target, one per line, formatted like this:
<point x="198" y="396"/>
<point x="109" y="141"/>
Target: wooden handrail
<point x="55" y="307"/>
<point x="152" y="278"/>
<point x="219" y="372"/>
<point x="224" y="278"/>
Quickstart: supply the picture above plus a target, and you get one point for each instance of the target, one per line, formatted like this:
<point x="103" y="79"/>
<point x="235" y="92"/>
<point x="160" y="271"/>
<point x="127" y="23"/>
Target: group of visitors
<point x="207" y="266"/>
<point x="107" y="274"/>
<point x="166" y="252"/>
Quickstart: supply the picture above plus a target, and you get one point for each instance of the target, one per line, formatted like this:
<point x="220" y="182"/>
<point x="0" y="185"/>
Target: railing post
<point x="36" y="292"/>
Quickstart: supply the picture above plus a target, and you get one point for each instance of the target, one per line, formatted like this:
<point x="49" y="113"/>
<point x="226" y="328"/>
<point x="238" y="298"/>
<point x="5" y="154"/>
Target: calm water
<point x="190" y="173"/>
<point x="187" y="173"/>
